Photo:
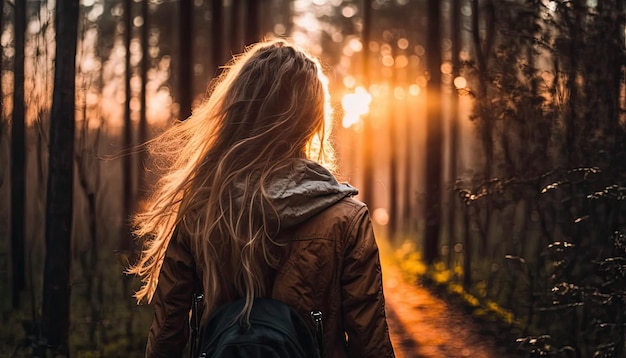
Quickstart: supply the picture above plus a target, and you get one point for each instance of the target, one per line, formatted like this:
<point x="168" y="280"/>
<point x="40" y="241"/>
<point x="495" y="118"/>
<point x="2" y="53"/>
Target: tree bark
<point x="18" y="159"/>
<point x="56" y="285"/>
<point x="434" y="135"/>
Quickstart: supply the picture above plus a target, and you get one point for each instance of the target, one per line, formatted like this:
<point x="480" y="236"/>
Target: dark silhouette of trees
<point x="127" y="159"/>
<point x="546" y="80"/>
<point x="59" y="203"/>
<point x="434" y="135"/>
<point x="18" y="157"/>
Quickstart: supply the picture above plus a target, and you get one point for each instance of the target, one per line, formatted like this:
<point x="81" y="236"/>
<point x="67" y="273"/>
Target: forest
<point x="487" y="137"/>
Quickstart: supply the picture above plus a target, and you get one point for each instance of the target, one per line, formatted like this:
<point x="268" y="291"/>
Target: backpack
<point x="276" y="330"/>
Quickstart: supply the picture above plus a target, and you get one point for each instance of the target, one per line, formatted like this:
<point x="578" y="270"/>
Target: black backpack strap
<point x="195" y="325"/>
<point x="319" y="330"/>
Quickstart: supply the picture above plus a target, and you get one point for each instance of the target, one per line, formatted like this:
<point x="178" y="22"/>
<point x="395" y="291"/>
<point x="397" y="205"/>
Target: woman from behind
<point x="247" y="207"/>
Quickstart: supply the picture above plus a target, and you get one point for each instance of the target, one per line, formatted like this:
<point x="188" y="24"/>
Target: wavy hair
<point x="268" y="108"/>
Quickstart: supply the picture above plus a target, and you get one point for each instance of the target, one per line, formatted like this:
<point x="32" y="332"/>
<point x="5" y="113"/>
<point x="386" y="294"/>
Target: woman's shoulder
<point x="344" y="212"/>
<point x="350" y="203"/>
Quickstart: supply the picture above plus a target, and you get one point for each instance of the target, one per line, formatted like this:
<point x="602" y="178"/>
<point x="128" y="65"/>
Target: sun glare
<point x="355" y="105"/>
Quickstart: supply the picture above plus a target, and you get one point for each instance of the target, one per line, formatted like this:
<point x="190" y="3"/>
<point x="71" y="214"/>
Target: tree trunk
<point x="455" y="36"/>
<point x="486" y="120"/>
<point x="1" y="67"/>
<point x="186" y="58"/>
<point x="127" y="169"/>
<point x="143" y="120"/>
<point x="1" y="63"/>
<point x="56" y="284"/>
<point x="217" y="28"/>
<point x="235" y="29"/>
<point x="18" y="158"/>
<point x="368" y="160"/>
<point x="467" y="249"/>
<point x="393" y="154"/>
<point x="408" y="216"/>
<point x="482" y="55"/>
<point x="572" y="118"/>
<point x="434" y="135"/>
<point x="252" y="25"/>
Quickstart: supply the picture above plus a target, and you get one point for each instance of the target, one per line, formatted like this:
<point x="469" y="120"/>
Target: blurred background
<point x="487" y="138"/>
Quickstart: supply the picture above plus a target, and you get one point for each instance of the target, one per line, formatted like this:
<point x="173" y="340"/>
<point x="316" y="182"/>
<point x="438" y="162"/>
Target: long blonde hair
<point x="268" y="108"/>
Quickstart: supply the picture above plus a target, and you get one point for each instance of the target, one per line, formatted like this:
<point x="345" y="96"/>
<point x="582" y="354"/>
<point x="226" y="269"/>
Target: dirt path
<point x="422" y="325"/>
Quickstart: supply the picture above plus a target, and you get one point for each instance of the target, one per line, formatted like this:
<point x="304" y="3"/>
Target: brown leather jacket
<point x="331" y="264"/>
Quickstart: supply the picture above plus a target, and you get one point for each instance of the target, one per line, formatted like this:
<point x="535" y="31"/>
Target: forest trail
<point x="423" y="325"/>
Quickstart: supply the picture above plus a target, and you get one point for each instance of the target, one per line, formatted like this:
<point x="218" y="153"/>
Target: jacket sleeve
<point x="363" y="302"/>
<point x="169" y="332"/>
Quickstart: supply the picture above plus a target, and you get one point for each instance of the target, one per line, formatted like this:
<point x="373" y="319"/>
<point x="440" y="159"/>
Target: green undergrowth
<point x="491" y="318"/>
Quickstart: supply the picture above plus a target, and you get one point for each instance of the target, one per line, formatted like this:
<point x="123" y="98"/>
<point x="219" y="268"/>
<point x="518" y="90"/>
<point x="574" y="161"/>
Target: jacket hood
<point x="304" y="191"/>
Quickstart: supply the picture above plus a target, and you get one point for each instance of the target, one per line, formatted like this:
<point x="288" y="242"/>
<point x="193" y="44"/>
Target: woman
<point x="246" y="209"/>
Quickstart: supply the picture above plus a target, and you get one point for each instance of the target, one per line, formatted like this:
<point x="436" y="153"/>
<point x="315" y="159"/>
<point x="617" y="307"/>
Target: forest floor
<point x="424" y="325"/>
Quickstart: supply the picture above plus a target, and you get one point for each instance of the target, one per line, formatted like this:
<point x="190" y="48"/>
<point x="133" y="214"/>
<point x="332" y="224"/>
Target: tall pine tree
<point x="56" y="285"/>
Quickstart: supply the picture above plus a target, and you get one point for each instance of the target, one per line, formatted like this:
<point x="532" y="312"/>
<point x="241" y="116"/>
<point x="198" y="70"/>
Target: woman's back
<point x="245" y="208"/>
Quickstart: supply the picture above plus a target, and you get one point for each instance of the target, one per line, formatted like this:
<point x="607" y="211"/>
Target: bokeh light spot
<point x="349" y="81"/>
<point x="279" y="29"/>
<point x="387" y="60"/>
<point x="414" y="90"/>
<point x="138" y="21"/>
<point x="419" y="50"/>
<point x="399" y="93"/>
<point x="403" y="43"/>
<point x="380" y="216"/>
<point x="348" y="11"/>
<point x="402" y="61"/>
<point x="355" y="45"/>
<point x="460" y="82"/>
